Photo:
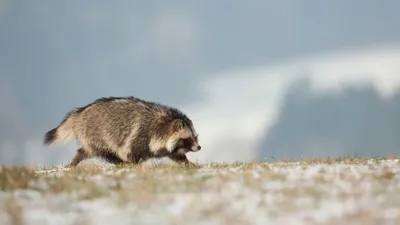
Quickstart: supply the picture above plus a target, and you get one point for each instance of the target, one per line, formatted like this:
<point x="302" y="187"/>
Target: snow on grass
<point x="332" y="191"/>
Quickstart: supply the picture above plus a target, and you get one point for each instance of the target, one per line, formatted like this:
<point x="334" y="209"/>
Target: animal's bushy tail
<point x="50" y="136"/>
<point x="64" y="131"/>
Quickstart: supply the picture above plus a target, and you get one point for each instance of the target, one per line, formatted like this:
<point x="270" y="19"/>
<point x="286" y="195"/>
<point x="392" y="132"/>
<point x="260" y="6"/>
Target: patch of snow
<point x="271" y="193"/>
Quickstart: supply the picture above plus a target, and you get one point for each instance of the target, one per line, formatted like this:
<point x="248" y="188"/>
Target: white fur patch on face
<point x="182" y="134"/>
<point x="156" y="144"/>
<point x="171" y="144"/>
<point x="182" y="151"/>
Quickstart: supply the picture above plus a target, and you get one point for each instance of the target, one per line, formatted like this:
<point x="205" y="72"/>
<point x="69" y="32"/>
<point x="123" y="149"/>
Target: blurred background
<point x="260" y="79"/>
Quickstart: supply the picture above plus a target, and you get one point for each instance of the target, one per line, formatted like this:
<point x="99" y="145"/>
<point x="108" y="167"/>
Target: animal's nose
<point x="199" y="147"/>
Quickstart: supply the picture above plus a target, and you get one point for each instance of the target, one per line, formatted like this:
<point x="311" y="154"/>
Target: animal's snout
<point x="196" y="148"/>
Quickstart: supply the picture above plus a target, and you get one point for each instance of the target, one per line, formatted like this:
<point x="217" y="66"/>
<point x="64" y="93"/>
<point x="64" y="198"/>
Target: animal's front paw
<point x="192" y="165"/>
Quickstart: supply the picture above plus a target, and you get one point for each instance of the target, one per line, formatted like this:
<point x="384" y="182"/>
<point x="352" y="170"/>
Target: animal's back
<point x="110" y="121"/>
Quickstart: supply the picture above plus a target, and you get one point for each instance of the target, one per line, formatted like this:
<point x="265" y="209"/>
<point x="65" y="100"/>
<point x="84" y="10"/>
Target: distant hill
<point x="357" y="121"/>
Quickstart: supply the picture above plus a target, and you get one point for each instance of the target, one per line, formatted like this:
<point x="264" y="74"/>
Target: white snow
<point x="267" y="193"/>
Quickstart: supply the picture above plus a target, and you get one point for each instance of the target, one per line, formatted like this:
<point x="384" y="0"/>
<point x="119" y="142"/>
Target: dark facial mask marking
<point x="184" y="143"/>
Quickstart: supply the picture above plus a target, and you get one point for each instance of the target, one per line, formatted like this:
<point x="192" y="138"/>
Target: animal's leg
<point x="179" y="158"/>
<point x="80" y="155"/>
<point x="137" y="156"/>
<point x="110" y="157"/>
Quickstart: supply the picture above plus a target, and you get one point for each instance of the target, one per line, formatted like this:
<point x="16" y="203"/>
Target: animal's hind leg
<point x="111" y="157"/>
<point x="80" y="155"/>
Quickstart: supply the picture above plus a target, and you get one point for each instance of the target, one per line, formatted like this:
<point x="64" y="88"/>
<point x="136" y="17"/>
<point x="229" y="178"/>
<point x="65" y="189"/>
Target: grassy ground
<point x="313" y="191"/>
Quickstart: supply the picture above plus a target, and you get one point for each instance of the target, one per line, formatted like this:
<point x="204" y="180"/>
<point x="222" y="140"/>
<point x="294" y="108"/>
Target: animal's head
<point x="183" y="137"/>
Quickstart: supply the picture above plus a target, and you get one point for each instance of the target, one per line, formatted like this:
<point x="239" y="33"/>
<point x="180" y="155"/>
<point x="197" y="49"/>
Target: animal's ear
<point x="178" y="124"/>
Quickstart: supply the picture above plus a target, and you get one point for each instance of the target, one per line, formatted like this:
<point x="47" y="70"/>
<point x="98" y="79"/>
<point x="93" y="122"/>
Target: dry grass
<point x="16" y="177"/>
<point x="219" y="191"/>
<point x="156" y="178"/>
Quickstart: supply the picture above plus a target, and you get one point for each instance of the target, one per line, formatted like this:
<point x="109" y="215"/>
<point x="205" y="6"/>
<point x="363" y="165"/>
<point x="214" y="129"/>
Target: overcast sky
<point x="57" y="55"/>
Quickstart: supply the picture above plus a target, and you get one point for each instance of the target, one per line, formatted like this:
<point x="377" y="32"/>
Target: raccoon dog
<point x="127" y="130"/>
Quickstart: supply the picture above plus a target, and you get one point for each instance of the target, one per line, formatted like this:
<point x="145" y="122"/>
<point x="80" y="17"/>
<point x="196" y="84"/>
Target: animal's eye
<point x="187" y="141"/>
<point x="182" y="142"/>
